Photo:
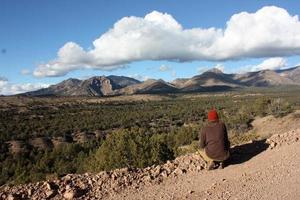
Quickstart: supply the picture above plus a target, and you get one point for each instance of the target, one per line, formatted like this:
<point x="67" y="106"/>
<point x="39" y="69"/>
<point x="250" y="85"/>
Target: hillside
<point x="150" y="86"/>
<point x="263" y="79"/>
<point x="258" y="170"/>
<point x="292" y="73"/>
<point x="211" y="80"/>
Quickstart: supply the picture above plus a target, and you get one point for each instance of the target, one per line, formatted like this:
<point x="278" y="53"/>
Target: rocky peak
<point x="98" y="85"/>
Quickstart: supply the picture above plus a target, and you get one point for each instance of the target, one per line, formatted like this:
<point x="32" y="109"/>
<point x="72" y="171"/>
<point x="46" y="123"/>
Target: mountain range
<point x="212" y="80"/>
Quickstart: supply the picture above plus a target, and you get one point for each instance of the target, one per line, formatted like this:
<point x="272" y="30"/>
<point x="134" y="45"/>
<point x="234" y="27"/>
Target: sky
<point x="45" y="42"/>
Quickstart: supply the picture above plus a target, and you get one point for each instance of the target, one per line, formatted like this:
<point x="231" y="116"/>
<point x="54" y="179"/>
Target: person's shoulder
<point x="221" y="123"/>
<point x="205" y="127"/>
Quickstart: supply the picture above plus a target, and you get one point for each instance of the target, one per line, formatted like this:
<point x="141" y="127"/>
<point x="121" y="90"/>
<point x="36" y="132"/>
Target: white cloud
<point x="3" y="79"/>
<point x="7" y="88"/>
<point x="139" y="77"/>
<point x="269" y="32"/>
<point x="271" y="64"/>
<point x="164" y="68"/>
<point x="25" y="72"/>
<point x="218" y="66"/>
<point x="173" y="74"/>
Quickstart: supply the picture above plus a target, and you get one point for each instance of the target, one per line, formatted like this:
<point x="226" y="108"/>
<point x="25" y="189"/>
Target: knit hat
<point x="213" y="115"/>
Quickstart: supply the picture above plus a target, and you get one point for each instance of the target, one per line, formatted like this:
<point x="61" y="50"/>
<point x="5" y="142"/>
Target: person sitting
<point x="214" y="142"/>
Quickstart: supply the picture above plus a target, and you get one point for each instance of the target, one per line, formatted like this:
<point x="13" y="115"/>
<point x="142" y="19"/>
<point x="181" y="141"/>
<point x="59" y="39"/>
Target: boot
<point x="221" y="165"/>
<point x="211" y="166"/>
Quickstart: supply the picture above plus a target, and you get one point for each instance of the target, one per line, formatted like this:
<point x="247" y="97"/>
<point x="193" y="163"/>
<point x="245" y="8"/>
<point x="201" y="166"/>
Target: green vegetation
<point x="140" y="133"/>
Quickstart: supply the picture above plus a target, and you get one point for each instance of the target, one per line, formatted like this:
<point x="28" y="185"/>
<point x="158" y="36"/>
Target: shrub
<point x="124" y="148"/>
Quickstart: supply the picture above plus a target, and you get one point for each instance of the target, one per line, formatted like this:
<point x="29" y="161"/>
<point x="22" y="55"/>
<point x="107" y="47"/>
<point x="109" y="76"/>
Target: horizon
<point x="142" y="40"/>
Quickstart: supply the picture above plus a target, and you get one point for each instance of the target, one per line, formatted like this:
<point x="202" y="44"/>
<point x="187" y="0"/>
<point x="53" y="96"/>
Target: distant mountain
<point x="67" y="87"/>
<point x="212" y="80"/>
<point x="94" y="86"/>
<point x="267" y="78"/>
<point x="291" y="73"/>
<point x="263" y="79"/>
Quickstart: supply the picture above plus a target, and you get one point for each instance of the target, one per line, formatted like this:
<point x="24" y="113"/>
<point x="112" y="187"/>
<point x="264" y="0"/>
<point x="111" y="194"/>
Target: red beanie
<point x="213" y="115"/>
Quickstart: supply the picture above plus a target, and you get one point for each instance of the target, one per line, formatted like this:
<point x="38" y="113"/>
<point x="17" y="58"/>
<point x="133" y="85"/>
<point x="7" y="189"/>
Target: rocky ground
<point x="257" y="170"/>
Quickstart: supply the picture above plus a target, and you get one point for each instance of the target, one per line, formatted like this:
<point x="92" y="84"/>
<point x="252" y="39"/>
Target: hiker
<point x="214" y="143"/>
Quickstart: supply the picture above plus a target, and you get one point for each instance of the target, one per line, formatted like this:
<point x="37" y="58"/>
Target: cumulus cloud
<point x="3" y="79"/>
<point x="7" y="88"/>
<point x="25" y="72"/>
<point x="218" y="66"/>
<point x="269" y="32"/>
<point x="271" y="63"/>
<point x="267" y="64"/>
<point x="173" y="74"/>
<point x="164" y="68"/>
<point x="139" y="77"/>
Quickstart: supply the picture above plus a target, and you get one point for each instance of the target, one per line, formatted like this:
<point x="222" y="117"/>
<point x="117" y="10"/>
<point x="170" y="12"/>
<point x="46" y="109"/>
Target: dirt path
<point x="273" y="174"/>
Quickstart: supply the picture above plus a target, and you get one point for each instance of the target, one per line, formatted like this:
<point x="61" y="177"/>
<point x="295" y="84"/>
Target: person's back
<point x="214" y="140"/>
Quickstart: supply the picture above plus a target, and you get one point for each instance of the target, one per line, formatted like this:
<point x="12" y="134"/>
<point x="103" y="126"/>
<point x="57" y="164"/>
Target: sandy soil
<point x="270" y="125"/>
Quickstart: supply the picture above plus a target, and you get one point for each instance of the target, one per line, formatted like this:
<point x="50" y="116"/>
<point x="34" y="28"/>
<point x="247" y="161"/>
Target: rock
<point x="23" y="196"/>
<point x="168" y="170"/>
<point x="199" y="168"/>
<point x="124" y="170"/>
<point x="3" y="196"/>
<point x="164" y="174"/>
<point x="68" y="187"/>
<point x="147" y="178"/>
<point x="178" y="171"/>
<point x="104" y="175"/>
<point x="90" y="181"/>
<point x="273" y="144"/>
<point x="48" y="185"/>
<point x="114" y="176"/>
<point x="207" y="193"/>
<point x="50" y="194"/>
<point x="29" y="191"/>
<point x="70" y="194"/>
<point x="13" y="197"/>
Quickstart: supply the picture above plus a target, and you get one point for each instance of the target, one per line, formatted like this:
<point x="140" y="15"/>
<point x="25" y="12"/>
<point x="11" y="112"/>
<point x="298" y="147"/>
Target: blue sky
<point x="33" y="31"/>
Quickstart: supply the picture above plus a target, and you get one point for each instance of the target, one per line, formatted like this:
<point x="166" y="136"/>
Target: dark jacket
<point x="214" y="139"/>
